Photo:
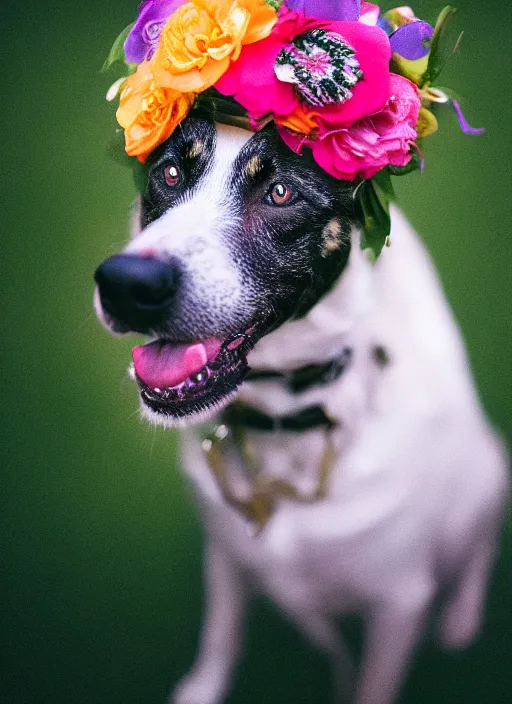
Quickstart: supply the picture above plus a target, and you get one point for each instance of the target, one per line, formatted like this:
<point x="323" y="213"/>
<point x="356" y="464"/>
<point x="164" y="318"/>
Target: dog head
<point x="236" y="234"/>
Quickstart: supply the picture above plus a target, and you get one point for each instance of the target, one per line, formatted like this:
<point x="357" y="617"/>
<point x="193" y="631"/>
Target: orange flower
<point x="202" y="36"/>
<point x="149" y="110"/>
<point x="301" y="120"/>
<point x="263" y="18"/>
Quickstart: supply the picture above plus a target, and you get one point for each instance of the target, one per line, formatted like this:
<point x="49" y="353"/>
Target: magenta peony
<point x="374" y="141"/>
<point x="253" y="82"/>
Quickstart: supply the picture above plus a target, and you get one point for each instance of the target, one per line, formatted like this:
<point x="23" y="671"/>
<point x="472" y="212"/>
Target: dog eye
<point x="279" y="194"/>
<point x="172" y="175"/>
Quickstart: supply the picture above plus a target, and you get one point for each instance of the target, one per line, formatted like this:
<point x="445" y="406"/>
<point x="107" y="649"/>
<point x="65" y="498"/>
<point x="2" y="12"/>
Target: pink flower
<point x="369" y="13"/>
<point x="374" y="141"/>
<point x="254" y="84"/>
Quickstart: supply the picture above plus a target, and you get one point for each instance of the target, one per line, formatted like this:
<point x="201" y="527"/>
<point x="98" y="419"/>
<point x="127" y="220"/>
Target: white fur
<point x="414" y="504"/>
<point x="193" y="233"/>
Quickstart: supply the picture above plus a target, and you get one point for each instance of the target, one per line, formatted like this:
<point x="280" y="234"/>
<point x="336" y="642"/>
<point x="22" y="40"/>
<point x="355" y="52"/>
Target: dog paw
<point x="196" y="690"/>
<point x="459" y="627"/>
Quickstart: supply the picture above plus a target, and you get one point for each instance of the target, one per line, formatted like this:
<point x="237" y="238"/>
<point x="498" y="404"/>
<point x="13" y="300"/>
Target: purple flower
<point x="337" y="10"/>
<point x="143" y="39"/>
<point x="412" y="41"/>
<point x="464" y="124"/>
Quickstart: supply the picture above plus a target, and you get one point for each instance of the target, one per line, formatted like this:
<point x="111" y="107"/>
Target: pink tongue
<point x="162" y="364"/>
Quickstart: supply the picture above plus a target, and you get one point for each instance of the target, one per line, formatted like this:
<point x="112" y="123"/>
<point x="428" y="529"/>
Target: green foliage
<point x="438" y="51"/>
<point x="415" y="164"/>
<point x="116" y="54"/>
<point x="372" y="200"/>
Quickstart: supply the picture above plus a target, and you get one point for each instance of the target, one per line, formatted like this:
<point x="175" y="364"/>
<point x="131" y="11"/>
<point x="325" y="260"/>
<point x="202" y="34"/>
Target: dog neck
<point x="322" y="334"/>
<point x="332" y="335"/>
<point x="332" y="326"/>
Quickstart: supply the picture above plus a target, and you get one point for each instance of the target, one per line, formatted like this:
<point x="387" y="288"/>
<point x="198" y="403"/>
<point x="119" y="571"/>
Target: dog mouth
<point x="180" y="380"/>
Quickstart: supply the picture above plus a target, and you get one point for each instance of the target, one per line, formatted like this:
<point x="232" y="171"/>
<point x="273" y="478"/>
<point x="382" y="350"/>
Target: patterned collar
<point x="302" y="379"/>
<point x="238" y="416"/>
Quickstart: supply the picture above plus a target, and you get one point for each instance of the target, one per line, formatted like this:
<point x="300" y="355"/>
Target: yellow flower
<point x="150" y="110"/>
<point x="427" y="123"/>
<point x="202" y="36"/>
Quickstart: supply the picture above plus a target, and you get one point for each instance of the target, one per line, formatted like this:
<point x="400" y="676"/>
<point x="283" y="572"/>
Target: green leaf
<point x="117" y="51"/>
<point x="372" y="206"/>
<point x="383" y="180"/>
<point x="413" y="165"/>
<point x="438" y="54"/>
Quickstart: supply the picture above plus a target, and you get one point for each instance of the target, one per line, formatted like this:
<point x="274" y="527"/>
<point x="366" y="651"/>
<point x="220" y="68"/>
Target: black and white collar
<point x="302" y="379"/>
<point x="242" y="416"/>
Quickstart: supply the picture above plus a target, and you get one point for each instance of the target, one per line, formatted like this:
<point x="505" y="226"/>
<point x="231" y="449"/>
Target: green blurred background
<point x="102" y="543"/>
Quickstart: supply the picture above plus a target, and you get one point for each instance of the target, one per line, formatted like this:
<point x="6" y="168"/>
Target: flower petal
<point x="464" y="124"/>
<point x="114" y="89"/>
<point x="427" y="123"/>
<point x="373" y="142"/>
<point x="138" y="44"/>
<point x="412" y="41"/>
<point x="413" y="70"/>
<point x="369" y="13"/>
<point x="373" y="52"/>
<point x="149" y="111"/>
<point x="328" y="9"/>
<point x="253" y="83"/>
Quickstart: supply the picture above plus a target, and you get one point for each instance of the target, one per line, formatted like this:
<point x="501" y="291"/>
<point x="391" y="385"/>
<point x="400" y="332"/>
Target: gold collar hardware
<point x="266" y="490"/>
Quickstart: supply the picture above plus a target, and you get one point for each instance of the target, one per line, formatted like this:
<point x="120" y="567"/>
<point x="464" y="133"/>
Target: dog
<point x="348" y="466"/>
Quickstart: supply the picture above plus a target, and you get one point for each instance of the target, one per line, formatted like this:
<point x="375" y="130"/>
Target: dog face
<point x="236" y="235"/>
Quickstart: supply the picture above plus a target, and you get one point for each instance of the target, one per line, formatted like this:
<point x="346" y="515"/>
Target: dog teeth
<point x="207" y="445"/>
<point x="198" y="379"/>
<point x="222" y="432"/>
<point x="168" y="389"/>
<point x="179" y="391"/>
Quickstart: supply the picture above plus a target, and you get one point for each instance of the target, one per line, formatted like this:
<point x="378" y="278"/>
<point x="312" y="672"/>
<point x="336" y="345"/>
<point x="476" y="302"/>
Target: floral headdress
<point x="353" y="85"/>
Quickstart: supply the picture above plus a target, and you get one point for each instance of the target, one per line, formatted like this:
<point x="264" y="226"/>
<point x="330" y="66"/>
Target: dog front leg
<point x="392" y="635"/>
<point x="324" y="635"/>
<point x="226" y="598"/>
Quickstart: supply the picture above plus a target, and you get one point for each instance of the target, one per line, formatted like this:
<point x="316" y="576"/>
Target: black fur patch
<point x="279" y="250"/>
<point x="191" y="150"/>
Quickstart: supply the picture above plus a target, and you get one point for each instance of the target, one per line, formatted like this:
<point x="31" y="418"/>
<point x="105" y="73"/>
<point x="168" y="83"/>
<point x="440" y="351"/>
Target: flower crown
<point x="353" y="85"/>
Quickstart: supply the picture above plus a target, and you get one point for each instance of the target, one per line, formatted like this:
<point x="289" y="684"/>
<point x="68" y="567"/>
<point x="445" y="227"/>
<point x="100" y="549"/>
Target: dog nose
<point x="137" y="291"/>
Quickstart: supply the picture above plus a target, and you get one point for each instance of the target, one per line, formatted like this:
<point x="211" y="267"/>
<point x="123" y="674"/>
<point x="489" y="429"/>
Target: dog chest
<point x="326" y="553"/>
